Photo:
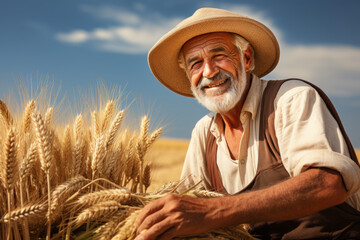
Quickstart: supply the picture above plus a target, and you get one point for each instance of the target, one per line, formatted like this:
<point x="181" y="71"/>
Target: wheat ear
<point x="109" y="229"/>
<point x="27" y="116"/>
<point x="11" y="163"/>
<point x="98" y="157"/>
<point x="67" y="151"/>
<point x="5" y="113"/>
<point x="206" y="194"/>
<point x="109" y="111"/>
<point x="141" y="147"/>
<point x="146" y="177"/>
<point x="114" y="127"/>
<point x="121" y="196"/>
<point x="94" y="125"/>
<point x="25" y="212"/>
<point x="49" y="116"/>
<point x="28" y="161"/>
<point x="63" y="191"/>
<point x="98" y="210"/>
<point x="78" y="146"/>
<point x="43" y="141"/>
<point x="153" y="137"/>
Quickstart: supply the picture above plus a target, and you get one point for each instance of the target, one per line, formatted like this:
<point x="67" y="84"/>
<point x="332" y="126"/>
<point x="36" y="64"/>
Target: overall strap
<point x="211" y="163"/>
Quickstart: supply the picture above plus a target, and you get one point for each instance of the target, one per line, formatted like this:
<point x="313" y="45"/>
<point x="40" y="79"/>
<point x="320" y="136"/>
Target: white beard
<point x="227" y="100"/>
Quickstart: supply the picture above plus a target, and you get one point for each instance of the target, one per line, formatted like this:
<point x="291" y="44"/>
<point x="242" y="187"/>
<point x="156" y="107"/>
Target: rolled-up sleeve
<point x="309" y="136"/>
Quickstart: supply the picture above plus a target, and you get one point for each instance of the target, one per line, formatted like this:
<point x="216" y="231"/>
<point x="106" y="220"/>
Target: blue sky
<point x="79" y="43"/>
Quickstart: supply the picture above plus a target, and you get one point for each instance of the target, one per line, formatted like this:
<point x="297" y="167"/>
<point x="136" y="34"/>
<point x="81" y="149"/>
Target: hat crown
<point x="208" y="13"/>
<point x="201" y="12"/>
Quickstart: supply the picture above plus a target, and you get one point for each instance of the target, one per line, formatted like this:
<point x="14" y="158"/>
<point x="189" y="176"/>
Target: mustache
<point x="222" y="74"/>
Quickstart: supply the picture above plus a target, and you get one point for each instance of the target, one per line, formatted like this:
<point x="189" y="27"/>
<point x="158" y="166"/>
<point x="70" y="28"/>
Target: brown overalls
<point x="338" y="222"/>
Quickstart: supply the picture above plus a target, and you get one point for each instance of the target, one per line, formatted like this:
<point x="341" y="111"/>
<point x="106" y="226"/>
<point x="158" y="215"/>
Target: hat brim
<point x="163" y="57"/>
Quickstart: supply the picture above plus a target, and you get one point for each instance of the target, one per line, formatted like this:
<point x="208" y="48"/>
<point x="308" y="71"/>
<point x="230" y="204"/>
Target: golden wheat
<point x="5" y="114"/>
<point x="121" y="196"/>
<point x="33" y="210"/>
<point x="97" y="211"/>
<point x="86" y="181"/>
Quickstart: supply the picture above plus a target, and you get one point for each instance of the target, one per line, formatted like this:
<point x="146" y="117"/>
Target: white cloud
<point x="77" y="36"/>
<point x="113" y="13"/>
<point x="131" y="33"/>
<point x="333" y="68"/>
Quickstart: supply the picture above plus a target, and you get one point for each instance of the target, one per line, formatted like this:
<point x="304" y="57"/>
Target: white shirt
<point x="307" y="135"/>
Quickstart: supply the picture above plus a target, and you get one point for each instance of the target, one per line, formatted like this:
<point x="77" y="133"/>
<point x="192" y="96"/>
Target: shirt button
<point x="242" y="161"/>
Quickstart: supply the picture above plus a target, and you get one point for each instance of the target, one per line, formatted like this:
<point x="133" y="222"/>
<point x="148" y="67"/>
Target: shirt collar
<point x="253" y="97"/>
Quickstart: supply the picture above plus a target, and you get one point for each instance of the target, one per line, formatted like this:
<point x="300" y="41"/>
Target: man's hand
<point x="179" y="215"/>
<point x="176" y="215"/>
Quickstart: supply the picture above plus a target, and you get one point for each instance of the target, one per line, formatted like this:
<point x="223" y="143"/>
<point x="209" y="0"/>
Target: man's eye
<point x="196" y="65"/>
<point x="219" y="56"/>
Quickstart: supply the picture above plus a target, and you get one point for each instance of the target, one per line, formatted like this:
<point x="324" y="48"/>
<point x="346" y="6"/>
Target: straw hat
<point x="163" y="56"/>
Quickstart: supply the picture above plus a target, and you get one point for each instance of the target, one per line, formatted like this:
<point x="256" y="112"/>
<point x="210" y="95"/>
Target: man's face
<point x="214" y="67"/>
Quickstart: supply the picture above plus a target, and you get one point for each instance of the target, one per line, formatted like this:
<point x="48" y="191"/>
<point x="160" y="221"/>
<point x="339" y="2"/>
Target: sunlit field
<point x="167" y="156"/>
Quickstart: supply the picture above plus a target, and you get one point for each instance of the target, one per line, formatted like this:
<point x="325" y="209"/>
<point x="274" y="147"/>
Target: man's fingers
<point x="151" y="220"/>
<point x="155" y="230"/>
<point x="148" y="210"/>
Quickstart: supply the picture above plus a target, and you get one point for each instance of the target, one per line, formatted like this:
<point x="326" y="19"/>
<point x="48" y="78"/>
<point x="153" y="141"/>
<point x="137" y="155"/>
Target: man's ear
<point x="248" y="59"/>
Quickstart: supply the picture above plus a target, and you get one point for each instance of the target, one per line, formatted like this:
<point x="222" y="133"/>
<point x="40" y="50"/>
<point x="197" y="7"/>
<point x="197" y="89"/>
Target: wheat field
<point x="88" y="179"/>
<point x="167" y="157"/>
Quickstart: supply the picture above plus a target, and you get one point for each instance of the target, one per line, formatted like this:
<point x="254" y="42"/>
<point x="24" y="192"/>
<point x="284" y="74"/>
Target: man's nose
<point x="210" y="69"/>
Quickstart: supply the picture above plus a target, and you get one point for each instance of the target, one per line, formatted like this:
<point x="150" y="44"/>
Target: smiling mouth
<point x="216" y="84"/>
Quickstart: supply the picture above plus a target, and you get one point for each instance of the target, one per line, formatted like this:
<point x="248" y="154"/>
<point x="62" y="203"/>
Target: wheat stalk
<point x="44" y="149"/>
<point x="10" y="169"/>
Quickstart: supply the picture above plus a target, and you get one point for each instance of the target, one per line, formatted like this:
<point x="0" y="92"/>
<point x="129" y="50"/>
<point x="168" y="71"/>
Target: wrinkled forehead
<point x="207" y="39"/>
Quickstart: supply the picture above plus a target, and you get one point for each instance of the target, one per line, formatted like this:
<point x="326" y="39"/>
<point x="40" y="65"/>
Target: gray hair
<point x="240" y="43"/>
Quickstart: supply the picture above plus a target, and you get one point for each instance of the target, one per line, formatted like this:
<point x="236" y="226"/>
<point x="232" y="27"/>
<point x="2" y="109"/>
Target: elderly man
<point x="277" y="149"/>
